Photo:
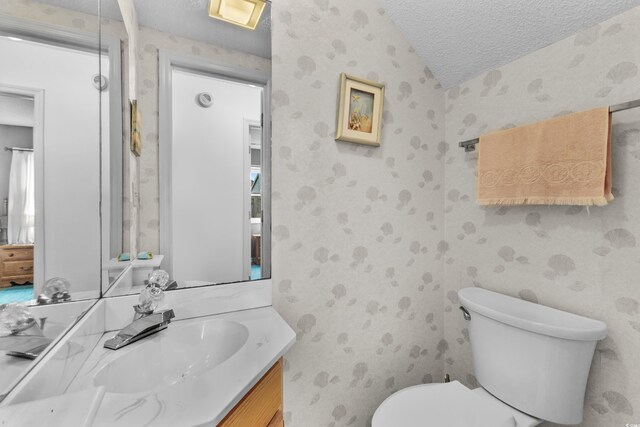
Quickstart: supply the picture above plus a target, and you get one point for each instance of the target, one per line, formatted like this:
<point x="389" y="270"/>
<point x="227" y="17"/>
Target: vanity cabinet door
<point x="261" y="406"/>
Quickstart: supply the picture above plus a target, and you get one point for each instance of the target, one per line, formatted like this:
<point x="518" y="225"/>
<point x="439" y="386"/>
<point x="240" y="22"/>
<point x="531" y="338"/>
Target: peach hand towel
<point x="560" y="161"/>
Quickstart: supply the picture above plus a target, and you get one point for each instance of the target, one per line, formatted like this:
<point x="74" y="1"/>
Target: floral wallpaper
<point x="331" y="250"/>
<point x="357" y="231"/>
<point x="586" y="261"/>
<point x="50" y="14"/>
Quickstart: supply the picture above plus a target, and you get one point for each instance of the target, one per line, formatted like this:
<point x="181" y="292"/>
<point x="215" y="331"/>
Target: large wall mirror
<point x="199" y="172"/>
<point x="60" y="173"/>
<point x="134" y="136"/>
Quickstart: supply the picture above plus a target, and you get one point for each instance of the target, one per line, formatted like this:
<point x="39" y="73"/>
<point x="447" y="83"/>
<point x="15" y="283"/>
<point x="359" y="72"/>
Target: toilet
<point x="531" y="362"/>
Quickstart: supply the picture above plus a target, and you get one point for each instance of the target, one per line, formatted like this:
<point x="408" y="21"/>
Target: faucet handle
<point x="150" y="297"/>
<point x="16" y="318"/>
<point x="56" y="290"/>
<point x="159" y="278"/>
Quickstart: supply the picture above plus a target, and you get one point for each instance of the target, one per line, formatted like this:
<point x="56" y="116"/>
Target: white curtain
<point x="21" y="199"/>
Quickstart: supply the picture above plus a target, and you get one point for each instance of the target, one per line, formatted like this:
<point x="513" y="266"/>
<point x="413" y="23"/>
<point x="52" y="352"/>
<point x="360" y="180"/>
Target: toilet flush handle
<point x="465" y="313"/>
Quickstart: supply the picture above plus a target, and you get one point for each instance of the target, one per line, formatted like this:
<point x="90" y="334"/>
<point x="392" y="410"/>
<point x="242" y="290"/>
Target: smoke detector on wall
<point x="100" y="82"/>
<point x="204" y="99"/>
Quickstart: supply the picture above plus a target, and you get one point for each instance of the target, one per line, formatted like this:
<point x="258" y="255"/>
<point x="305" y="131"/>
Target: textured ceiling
<point x="186" y="18"/>
<point x="460" y="39"/>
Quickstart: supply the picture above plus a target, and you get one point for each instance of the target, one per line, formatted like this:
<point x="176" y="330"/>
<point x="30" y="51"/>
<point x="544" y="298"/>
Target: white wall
<point x="16" y="111"/>
<point x="71" y="152"/>
<point x="208" y="177"/>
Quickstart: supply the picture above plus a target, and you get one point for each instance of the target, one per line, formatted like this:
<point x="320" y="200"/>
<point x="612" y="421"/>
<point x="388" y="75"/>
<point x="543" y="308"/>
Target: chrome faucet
<point x="146" y="320"/>
<point x="140" y="328"/>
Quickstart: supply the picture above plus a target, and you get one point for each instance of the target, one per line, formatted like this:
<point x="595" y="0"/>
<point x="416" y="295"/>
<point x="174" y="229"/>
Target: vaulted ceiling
<point x="460" y="39"/>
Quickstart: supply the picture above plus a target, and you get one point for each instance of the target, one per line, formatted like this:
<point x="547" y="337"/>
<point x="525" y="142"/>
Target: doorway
<point x="214" y="175"/>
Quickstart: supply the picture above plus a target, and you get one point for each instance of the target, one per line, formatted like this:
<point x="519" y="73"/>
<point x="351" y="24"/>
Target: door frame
<point x="167" y="62"/>
<point x="247" y="125"/>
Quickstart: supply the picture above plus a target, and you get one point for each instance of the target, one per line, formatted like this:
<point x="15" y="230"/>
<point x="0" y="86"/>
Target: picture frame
<point x="135" y="124"/>
<point x="360" y="107"/>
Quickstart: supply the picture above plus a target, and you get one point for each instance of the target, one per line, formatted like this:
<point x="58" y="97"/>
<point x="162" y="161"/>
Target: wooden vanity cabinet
<point x="16" y="265"/>
<point x="262" y="405"/>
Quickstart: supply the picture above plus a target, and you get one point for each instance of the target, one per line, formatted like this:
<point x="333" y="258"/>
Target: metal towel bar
<point x="470" y="145"/>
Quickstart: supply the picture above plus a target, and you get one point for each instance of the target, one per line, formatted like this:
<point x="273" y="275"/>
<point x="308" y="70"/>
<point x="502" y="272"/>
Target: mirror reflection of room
<point x="217" y="147"/>
<point x="212" y="157"/>
<point x="199" y="180"/>
<point x="55" y="190"/>
<point x="50" y="154"/>
<point x="17" y="192"/>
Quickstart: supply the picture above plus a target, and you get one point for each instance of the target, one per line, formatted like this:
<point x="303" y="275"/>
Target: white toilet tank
<point x="532" y="357"/>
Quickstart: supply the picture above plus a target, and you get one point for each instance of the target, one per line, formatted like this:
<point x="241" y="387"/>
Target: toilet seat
<point x="447" y="405"/>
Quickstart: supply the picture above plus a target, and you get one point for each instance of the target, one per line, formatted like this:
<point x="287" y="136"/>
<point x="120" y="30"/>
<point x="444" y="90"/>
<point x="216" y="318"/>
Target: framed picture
<point x="135" y="123"/>
<point x="360" y="110"/>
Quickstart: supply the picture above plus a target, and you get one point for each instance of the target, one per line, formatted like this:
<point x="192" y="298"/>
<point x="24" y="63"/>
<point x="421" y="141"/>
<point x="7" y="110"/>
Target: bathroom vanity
<point x="209" y="366"/>
<point x="262" y="405"/>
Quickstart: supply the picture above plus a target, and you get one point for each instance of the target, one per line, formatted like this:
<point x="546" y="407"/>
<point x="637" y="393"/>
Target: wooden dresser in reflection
<point x="16" y="265"/>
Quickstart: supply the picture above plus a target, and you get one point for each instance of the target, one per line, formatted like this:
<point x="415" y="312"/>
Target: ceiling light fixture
<point x="244" y="13"/>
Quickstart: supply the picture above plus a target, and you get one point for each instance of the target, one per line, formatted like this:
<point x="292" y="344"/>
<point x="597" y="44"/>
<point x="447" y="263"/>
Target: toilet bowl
<point x="448" y="405"/>
<point x="527" y="358"/>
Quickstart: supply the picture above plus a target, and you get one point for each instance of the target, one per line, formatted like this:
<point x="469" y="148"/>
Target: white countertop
<point x="57" y="317"/>
<point x="200" y="398"/>
<point x="12" y="368"/>
<point x="73" y="409"/>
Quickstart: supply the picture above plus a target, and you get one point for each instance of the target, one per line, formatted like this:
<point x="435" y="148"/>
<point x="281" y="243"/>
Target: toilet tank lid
<point x="531" y="316"/>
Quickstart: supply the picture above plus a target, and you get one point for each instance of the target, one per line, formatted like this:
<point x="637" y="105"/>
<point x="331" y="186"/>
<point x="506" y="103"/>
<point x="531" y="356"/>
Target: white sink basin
<point x="161" y="379"/>
<point x="180" y="353"/>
